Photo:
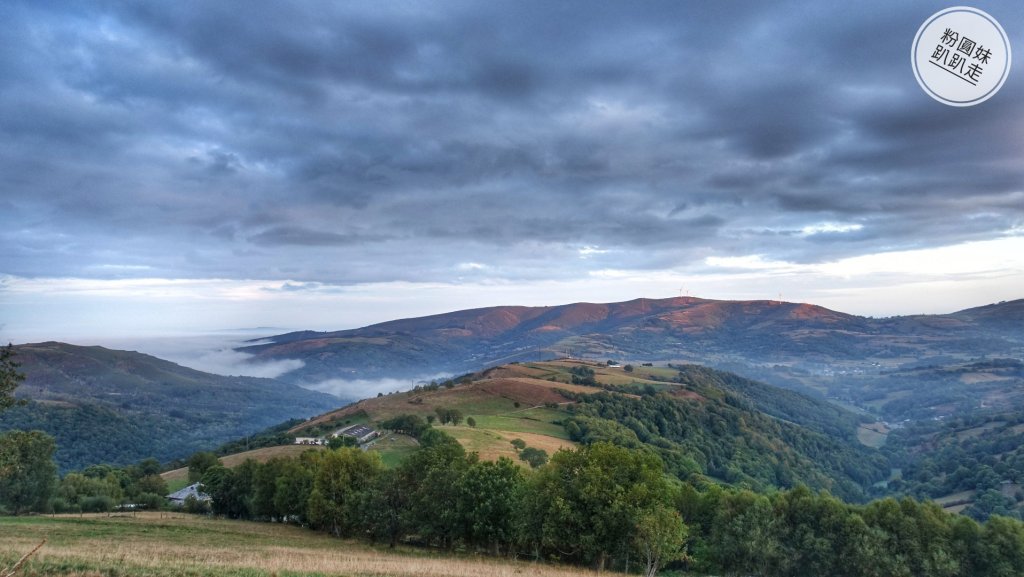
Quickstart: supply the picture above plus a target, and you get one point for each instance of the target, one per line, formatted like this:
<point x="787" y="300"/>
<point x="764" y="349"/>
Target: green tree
<point x="340" y="476"/>
<point x="743" y="535"/>
<point x="264" y="487"/>
<point x="230" y="490"/>
<point x="490" y="492"/>
<point x="152" y="484"/>
<point x="27" y="471"/>
<point x="534" y="457"/>
<point x="76" y="488"/>
<point x="198" y="463"/>
<point x="10" y="378"/>
<point x="293" y="486"/>
<point x="434" y="473"/>
<point x="471" y="421"/>
<point x="1001" y="547"/>
<point x="660" y="535"/>
<point x="342" y="441"/>
<point x="587" y="503"/>
<point x="383" y="510"/>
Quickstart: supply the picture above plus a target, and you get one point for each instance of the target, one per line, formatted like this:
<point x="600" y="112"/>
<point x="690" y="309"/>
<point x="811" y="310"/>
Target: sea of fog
<point x="215" y="353"/>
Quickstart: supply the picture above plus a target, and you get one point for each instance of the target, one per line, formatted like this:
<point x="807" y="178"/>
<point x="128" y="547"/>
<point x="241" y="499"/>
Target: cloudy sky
<point x="177" y="167"/>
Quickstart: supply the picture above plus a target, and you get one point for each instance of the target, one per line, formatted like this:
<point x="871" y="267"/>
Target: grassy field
<point x="873" y="434"/>
<point x="178" y="478"/>
<point x="162" y="545"/>
<point x="393" y="448"/>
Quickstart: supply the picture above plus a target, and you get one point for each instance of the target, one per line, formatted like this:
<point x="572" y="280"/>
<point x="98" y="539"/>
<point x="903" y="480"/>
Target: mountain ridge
<point x="719" y="333"/>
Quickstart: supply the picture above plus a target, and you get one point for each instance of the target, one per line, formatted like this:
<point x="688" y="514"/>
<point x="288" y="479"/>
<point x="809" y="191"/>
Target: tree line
<point x="610" y="507"/>
<point x="598" y="505"/>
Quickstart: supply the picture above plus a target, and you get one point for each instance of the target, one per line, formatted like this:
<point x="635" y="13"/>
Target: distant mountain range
<point x="800" y="346"/>
<point x="117" y="407"/>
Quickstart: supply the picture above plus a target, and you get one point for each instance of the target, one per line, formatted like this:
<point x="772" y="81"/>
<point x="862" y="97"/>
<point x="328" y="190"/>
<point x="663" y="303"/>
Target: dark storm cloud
<point x="349" y="142"/>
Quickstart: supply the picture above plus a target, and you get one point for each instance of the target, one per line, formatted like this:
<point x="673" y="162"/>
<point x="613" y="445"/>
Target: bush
<point x="96" y="504"/>
<point x="195" y="506"/>
<point x="519" y="444"/>
<point x="59" y="505"/>
<point x="151" y="501"/>
<point x="534" y="457"/>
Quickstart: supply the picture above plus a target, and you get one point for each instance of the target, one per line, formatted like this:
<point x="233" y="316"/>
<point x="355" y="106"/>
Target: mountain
<point x="117" y="407"/>
<point x="699" y="420"/>
<point x="800" y="346"/>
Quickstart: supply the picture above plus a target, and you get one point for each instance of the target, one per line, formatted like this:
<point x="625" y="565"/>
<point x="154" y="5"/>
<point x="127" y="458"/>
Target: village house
<point x="178" y="497"/>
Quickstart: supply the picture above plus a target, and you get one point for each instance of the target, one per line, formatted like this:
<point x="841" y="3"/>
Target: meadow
<point x="164" y="545"/>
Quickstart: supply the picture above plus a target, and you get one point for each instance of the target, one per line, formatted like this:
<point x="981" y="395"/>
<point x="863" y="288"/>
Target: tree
<point x="293" y="486"/>
<point x="342" y="441"/>
<point x="198" y="463"/>
<point x="471" y="421"/>
<point x="743" y="534"/>
<point x="1001" y="547"/>
<point x="661" y="537"/>
<point x="338" y="479"/>
<point x="10" y="378"/>
<point x="587" y="503"/>
<point x="534" y="457"/>
<point x="434" y="475"/>
<point x="489" y="494"/>
<point x="27" y="471"/>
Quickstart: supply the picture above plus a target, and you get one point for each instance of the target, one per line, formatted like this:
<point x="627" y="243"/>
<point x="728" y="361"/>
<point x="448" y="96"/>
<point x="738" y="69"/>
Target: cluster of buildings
<point x="361" y="433"/>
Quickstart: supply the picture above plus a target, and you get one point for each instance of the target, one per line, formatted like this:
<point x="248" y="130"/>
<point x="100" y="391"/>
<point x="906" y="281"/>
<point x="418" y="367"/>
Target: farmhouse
<point x="360" y="433"/>
<point x="178" y="497"/>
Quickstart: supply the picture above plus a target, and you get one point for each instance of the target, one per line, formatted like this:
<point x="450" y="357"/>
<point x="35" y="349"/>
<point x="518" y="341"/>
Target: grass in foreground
<point x="159" y="545"/>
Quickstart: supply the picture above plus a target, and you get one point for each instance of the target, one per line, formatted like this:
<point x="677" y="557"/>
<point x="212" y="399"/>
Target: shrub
<point x="195" y="506"/>
<point x="96" y="504"/>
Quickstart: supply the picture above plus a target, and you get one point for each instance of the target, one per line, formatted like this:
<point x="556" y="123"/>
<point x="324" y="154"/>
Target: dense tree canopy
<point x="10" y="378"/>
<point x="27" y="471"/>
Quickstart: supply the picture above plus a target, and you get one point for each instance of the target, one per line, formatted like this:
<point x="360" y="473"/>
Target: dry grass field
<point x="159" y="545"/>
<point x="177" y="477"/>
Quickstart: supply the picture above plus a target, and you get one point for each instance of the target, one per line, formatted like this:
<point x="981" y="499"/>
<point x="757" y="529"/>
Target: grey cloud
<point x="293" y="235"/>
<point x="235" y="140"/>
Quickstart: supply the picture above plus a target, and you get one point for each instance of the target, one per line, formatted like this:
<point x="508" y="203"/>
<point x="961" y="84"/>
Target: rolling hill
<point x="701" y="421"/>
<point x="117" y="407"/>
<point x="799" y="346"/>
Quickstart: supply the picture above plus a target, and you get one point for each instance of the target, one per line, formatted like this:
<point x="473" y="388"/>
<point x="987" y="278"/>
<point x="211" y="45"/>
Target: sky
<point x="174" y="168"/>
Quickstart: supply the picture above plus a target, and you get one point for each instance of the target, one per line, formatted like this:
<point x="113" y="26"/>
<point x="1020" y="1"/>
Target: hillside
<point x="972" y="464"/>
<point x="117" y="407"/>
<point x="700" y="421"/>
<point x="799" y="346"/>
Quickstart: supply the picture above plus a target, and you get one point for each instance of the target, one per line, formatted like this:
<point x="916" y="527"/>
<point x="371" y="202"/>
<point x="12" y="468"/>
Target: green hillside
<point x="117" y="407"/>
<point x="699" y="420"/>
<point x="972" y="464"/>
